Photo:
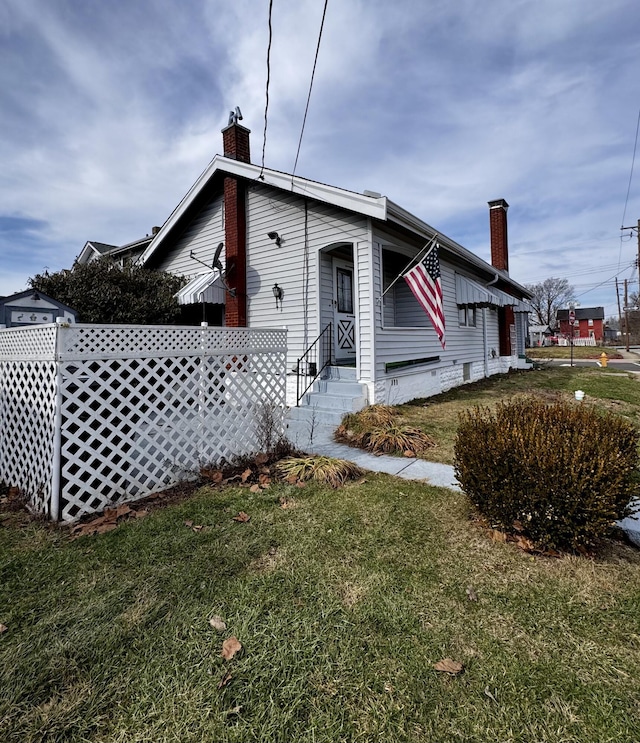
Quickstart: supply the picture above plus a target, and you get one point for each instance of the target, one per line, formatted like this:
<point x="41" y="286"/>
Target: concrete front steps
<point x="321" y="410"/>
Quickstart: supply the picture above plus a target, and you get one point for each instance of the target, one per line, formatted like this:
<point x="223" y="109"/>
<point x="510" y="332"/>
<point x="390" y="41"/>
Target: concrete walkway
<point x="320" y="441"/>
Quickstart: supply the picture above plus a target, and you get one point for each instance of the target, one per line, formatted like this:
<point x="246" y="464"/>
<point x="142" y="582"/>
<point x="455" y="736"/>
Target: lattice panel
<point x="36" y="343"/>
<point x="134" y="426"/>
<point x="115" y="341"/>
<point x="27" y="414"/>
<point x="243" y="340"/>
<point x="137" y="416"/>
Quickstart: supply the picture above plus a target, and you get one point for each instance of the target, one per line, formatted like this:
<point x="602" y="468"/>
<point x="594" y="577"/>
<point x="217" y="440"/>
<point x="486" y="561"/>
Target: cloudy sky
<point x="109" y="111"/>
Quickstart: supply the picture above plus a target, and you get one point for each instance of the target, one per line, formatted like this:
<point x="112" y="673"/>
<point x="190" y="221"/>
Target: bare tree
<point x="549" y="296"/>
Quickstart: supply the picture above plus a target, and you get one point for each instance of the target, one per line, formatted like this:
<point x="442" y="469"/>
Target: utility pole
<point x="619" y="310"/>
<point x="636" y="227"/>
<point x="626" y="311"/>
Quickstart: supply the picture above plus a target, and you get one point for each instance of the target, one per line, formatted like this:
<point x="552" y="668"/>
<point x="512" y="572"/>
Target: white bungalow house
<point x="318" y="259"/>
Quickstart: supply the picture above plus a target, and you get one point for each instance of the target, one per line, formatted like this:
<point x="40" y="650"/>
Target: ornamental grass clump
<point x="558" y="474"/>
<point x="334" y="472"/>
<point x="377" y="429"/>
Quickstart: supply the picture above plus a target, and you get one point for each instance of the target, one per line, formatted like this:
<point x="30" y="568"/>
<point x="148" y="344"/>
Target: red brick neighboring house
<point x="590" y="323"/>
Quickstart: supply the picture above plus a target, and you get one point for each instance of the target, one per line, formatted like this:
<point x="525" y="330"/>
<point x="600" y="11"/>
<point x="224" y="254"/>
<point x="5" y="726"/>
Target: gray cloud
<point x="110" y="111"/>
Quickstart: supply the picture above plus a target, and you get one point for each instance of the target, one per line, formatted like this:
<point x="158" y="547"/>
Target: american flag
<point x="424" y="282"/>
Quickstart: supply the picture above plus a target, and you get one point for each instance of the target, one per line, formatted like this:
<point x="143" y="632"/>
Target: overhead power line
<point x="313" y="73"/>
<point x="626" y="201"/>
<point x="633" y="160"/>
<point x="266" y="105"/>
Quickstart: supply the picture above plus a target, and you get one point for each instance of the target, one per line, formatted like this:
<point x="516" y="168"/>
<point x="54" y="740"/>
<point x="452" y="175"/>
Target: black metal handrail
<point x="313" y="361"/>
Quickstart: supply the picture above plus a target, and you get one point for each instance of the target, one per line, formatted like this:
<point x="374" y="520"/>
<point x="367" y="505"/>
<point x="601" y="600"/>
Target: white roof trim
<point x="368" y="205"/>
<point x="207" y="287"/>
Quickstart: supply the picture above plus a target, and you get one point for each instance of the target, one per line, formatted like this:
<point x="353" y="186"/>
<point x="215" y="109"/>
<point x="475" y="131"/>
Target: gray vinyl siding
<point x="201" y="236"/>
<point x="408" y="312"/>
<point x="401" y="343"/>
<point x="298" y="275"/>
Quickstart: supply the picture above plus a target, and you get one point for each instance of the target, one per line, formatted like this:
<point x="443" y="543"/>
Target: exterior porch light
<point x="277" y="293"/>
<point x="275" y="236"/>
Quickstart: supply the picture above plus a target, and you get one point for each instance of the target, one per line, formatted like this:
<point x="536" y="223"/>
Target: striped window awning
<point x="471" y="293"/>
<point x="207" y="287"/>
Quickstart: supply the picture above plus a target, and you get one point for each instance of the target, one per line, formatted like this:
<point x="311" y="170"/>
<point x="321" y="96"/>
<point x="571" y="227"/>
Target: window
<point x="590" y="323"/>
<point x="467" y="316"/>
<point x="345" y="290"/>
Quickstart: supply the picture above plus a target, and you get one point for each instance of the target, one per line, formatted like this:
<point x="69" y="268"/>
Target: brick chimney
<point x="500" y="260"/>
<point x="235" y="142"/>
<point x="498" y="232"/>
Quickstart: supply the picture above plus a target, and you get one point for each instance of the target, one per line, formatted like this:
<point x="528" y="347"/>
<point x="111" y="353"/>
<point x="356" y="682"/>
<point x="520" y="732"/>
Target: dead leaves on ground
<point x="218" y="623"/>
<point x="520" y="541"/>
<point x="194" y="527"/>
<point x="242" y="517"/>
<point x="230" y="647"/>
<point x="471" y="594"/>
<point x="110" y="520"/>
<point x="3" y="628"/>
<point x="447" y="665"/>
<point x="256" y="476"/>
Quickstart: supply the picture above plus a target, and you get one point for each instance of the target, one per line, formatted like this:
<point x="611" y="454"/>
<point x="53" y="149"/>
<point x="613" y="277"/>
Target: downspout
<point x="485" y="335"/>
<point x="485" y="340"/>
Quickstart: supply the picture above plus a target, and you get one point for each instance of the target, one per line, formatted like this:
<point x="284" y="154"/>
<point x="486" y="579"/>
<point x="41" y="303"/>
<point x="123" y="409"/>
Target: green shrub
<point x="559" y="474"/>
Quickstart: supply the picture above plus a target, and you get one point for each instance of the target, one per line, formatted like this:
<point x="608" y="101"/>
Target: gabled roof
<point x="92" y="246"/>
<point x="368" y="204"/>
<point x="102" y="248"/>
<point x="40" y="295"/>
<point x="582" y="313"/>
<point x="372" y="206"/>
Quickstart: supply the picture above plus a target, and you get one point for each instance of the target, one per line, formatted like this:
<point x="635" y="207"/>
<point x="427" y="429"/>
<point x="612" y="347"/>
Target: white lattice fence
<point x="141" y="408"/>
<point x="28" y="411"/>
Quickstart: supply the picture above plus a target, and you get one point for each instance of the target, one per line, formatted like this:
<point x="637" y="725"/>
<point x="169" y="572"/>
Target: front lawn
<point x="343" y="600"/>
<point x="608" y="389"/>
<point x="579" y="352"/>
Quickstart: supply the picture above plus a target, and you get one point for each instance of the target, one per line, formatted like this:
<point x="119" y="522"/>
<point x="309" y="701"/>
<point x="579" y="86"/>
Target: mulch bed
<point x="255" y="473"/>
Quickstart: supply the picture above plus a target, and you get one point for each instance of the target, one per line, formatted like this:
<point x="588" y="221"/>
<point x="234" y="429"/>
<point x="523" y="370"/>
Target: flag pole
<point x="428" y="248"/>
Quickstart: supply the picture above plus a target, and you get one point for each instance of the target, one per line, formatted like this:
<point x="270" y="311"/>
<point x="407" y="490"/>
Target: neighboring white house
<point x="117" y="253"/>
<point x="32" y="307"/>
<point x="539" y="335"/>
<point x="306" y="255"/>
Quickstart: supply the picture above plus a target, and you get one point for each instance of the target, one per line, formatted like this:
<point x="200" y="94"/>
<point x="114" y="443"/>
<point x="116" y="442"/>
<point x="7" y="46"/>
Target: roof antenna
<point x="235" y="116"/>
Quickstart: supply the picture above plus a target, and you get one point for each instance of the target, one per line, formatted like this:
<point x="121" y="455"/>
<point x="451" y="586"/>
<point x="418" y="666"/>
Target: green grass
<point x="343" y="601"/>
<point x="564" y="352"/>
<point x="606" y="389"/>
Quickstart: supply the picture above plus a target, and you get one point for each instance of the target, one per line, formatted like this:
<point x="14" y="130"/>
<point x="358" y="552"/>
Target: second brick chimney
<point x="498" y="232"/>
<point x="235" y="142"/>
<point x="500" y="260"/>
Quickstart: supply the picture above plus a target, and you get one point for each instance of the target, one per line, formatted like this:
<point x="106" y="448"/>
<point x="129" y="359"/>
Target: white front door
<point x="344" y="311"/>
